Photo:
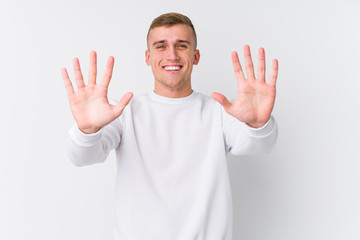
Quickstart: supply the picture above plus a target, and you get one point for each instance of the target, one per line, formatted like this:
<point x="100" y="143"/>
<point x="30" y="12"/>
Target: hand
<point x="89" y="105"/>
<point x="256" y="98"/>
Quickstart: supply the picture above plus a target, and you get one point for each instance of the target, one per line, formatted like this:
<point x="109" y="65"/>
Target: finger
<point x="78" y="75"/>
<point x="221" y="99"/>
<point x="119" y="107"/>
<point x="68" y="85"/>
<point x="108" y="72"/>
<point x="248" y="63"/>
<point x="261" y="67"/>
<point x="274" y="72"/>
<point x="92" y="69"/>
<point x="237" y="67"/>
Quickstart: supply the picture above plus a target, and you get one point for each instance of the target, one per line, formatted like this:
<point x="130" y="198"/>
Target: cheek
<point x="191" y="58"/>
<point x="155" y="59"/>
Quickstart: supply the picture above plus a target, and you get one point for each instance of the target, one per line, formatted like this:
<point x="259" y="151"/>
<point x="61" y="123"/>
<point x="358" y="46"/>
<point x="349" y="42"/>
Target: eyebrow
<point x="157" y="42"/>
<point x="178" y="41"/>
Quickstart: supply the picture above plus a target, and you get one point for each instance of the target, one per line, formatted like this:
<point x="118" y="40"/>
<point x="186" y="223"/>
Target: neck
<point x="177" y="92"/>
<point x="173" y="93"/>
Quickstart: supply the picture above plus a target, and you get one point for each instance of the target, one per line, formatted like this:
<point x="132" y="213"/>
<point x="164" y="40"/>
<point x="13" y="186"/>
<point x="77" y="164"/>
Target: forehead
<point x="171" y="34"/>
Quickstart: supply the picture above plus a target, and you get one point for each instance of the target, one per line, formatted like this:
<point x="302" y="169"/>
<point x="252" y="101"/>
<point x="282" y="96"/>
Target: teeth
<point x="171" y="68"/>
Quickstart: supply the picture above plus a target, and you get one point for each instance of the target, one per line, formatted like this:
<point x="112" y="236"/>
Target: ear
<point x="147" y="58"/>
<point x="197" y="57"/>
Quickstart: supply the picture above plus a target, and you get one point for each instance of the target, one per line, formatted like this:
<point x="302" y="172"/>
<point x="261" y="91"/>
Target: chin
<point x="172" y="84"/>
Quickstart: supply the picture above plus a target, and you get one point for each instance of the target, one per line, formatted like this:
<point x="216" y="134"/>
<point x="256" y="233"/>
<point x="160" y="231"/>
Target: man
<point x="171" y="144"/>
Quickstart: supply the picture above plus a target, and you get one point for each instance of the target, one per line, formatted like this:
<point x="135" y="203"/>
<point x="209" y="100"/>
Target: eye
<point x="160" y="46"/>
<point x="182" y="46"/>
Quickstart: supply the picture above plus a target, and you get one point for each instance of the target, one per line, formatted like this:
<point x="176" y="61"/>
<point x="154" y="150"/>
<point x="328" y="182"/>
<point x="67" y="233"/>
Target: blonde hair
<point x="171" y="19"/>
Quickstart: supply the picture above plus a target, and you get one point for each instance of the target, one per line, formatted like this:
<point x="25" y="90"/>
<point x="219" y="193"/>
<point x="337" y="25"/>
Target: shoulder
<point x="135" y="99"/>
<point x="140" y="97"/>
<point x="205" y="99"/>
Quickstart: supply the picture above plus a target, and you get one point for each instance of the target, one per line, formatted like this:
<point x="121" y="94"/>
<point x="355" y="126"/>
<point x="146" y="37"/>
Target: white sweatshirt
<point x="172" y="177"/>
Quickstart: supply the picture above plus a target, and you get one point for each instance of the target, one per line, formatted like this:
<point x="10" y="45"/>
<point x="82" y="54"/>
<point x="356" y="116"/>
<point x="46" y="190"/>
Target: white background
<point x="308" y="188"/>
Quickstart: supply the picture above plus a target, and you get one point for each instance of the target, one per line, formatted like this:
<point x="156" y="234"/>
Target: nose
<point x="172" y="54"/>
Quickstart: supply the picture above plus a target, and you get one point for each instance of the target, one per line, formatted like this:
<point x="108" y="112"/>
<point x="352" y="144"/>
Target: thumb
<point x="119" y="107"/>
<point x="221" y="99"/>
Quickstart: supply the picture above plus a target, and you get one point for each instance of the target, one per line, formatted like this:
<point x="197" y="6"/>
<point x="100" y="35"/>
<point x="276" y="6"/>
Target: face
<point x="171" y="54"/>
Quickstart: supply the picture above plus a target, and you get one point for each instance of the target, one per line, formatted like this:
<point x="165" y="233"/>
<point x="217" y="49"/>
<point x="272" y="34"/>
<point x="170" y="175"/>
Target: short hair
<point x="171" y="19"/>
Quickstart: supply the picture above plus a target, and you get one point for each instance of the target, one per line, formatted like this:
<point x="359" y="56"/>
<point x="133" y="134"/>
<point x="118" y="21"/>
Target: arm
<point x="90" y="141"/>
<point x="241" y="139"/>
<point x="247" y="123"/>
<point x="86" y="149"/>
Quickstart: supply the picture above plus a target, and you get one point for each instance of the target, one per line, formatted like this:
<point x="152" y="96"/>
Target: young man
<point x="171" y="144"/>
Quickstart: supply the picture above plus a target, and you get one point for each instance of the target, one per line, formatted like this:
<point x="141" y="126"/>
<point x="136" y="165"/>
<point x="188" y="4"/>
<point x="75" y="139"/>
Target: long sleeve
<point x="87" y="149"/>
<point x="241" y="139"/>
<point x="172" y="175"/>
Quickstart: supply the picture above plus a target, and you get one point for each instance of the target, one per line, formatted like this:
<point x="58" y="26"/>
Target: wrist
<point x="256" y="125"/>
<point x="89" y="130"/>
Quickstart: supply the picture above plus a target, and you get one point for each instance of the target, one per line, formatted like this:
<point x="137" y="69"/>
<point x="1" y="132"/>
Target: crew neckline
<point x="163" y="99"/>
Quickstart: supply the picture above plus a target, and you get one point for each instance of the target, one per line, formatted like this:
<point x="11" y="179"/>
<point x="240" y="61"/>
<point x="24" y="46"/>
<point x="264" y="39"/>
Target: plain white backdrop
<point x="308" y="188"/>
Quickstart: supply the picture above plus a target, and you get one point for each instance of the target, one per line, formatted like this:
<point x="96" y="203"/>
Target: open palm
<point x="89" y="105"/>
<point x="256" y="98"/>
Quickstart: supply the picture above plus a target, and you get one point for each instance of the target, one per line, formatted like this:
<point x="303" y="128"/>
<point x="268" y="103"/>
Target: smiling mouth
<point x="172" y="68"/>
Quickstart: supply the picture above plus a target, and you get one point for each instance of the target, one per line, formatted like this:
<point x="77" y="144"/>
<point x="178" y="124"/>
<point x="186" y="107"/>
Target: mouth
<point x="172" y="68"/>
